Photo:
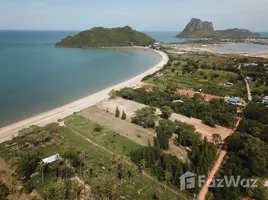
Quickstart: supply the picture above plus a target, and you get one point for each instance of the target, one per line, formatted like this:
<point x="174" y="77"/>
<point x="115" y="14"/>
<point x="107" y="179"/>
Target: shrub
<point x="208" y="121"/>
<point x="166" y="112"/>
<point x="98" y="128"/>
<point x="124" y="116"/>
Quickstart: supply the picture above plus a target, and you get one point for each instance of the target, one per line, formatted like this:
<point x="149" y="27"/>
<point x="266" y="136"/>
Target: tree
<point x="166" y="112"/>
<point x="117" y="112"/>
<point x="4" y="191"/>
<point x="145" y="117"/>
<point x="124" y="116"/>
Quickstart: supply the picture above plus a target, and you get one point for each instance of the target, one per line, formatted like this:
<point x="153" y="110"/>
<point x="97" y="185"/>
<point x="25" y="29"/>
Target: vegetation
<point x="218" y="110"/>
<point x="104" y="37"/>
<point x="4" y="191"/>
<point x="259" y="79"/>
<point x="166" y="112"/>
<point x="247" y="155"/>
<point x="124" y="116"/>
<point x="145" y="117"/>
<point x="117" y="112"/>
<point x="108" y="175"/>
<point x="207" y="72"/>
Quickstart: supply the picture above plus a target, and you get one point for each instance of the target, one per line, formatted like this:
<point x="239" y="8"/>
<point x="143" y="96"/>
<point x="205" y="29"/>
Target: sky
<point x="146" y="15"/>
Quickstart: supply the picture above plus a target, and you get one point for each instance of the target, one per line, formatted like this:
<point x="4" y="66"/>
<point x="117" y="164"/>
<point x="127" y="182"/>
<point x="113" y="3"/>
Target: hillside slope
<point x="105" y="37"/>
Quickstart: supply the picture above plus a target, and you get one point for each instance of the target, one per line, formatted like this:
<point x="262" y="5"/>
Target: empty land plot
<point x="204" y="130"/>
<point x="125" y="128"/>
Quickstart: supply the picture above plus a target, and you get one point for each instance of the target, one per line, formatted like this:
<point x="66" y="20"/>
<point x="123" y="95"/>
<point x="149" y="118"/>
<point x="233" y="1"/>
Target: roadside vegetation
<point x="247" y="156"/>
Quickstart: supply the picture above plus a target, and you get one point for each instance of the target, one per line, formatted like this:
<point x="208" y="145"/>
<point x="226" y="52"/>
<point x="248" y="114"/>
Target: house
<point x="265" y="100"/>
<point x="52" y="159"/>
<point x="233" y="100"/>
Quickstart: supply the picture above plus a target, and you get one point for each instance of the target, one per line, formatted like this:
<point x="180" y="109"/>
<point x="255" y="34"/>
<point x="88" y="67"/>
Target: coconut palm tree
<point x="49" y="194"/>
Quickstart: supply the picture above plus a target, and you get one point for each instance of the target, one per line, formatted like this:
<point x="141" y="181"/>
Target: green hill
<point x="107" y="37"/>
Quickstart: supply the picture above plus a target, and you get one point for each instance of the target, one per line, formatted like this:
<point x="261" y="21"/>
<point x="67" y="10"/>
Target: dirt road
<point x="204" y="190"/>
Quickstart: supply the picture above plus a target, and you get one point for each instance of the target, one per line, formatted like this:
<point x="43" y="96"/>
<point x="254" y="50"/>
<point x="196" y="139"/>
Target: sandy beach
<point x="7" y="132"/>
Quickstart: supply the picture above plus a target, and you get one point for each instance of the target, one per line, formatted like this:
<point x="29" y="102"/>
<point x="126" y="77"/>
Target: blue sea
<point x="36" y="77"/>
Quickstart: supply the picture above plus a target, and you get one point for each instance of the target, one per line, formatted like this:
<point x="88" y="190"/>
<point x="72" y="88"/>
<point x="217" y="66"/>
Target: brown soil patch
<point x="204" y="130"/>
<point x="191" y="93"/>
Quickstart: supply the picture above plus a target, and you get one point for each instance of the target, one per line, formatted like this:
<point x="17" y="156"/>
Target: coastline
<point x="9" y="131"/>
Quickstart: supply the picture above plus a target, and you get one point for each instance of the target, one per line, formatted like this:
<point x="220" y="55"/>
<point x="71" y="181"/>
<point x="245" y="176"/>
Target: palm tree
<point x="49" y="194"/>
<point x="168" y="177"/>
<point x="41" y="165"/>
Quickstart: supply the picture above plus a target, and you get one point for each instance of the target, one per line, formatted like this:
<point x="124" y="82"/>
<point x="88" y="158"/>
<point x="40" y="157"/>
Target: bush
<point x="166" y="112"/>
<point x="28" y="187"/>
<point x="209" y="121"/>
<point x="98" y="128"/>
<point x="145" y="117"/>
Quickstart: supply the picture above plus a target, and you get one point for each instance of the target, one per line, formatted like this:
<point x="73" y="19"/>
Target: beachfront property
<point x="265" y="100"/>
<point x="250" y="65"/>
<point x="52" y="159"/>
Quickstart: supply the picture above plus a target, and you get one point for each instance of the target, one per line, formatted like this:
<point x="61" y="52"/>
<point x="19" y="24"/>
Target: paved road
<point x="249" y="90"/>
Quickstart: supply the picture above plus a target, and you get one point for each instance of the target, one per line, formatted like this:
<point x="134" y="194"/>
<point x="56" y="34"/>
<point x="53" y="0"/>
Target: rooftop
<point x="52" y="159"/>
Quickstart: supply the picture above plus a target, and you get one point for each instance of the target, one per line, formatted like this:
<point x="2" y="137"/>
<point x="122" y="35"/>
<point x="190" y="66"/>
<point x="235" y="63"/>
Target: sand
<point x="8" y="132"/>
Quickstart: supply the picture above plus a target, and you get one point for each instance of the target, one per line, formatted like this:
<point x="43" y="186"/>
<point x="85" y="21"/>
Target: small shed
<point x="52" y="159"/>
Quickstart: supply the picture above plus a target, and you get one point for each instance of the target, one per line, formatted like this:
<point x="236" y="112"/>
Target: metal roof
<point x="52" y="159"/>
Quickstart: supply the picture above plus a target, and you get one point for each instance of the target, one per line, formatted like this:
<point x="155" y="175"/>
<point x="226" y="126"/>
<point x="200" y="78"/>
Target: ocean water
<point x="264" y="34"/>
<point x="165" y="36"/>
<point x="36" y="77"/>
<point x="242" y="47"/>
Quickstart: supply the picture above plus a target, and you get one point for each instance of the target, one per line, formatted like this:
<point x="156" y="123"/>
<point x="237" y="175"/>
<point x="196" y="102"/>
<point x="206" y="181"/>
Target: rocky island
<point x="107" y="37"/>
<point x="204" y="29"/>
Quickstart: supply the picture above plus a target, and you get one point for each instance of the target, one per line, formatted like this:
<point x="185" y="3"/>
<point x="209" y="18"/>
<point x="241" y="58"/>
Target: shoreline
<point x="42" y="119"/>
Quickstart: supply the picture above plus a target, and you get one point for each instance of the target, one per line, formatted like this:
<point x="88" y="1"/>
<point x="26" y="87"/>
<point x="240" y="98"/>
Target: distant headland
<point x="204" y="29"/>
<point x="107" y="37"/>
